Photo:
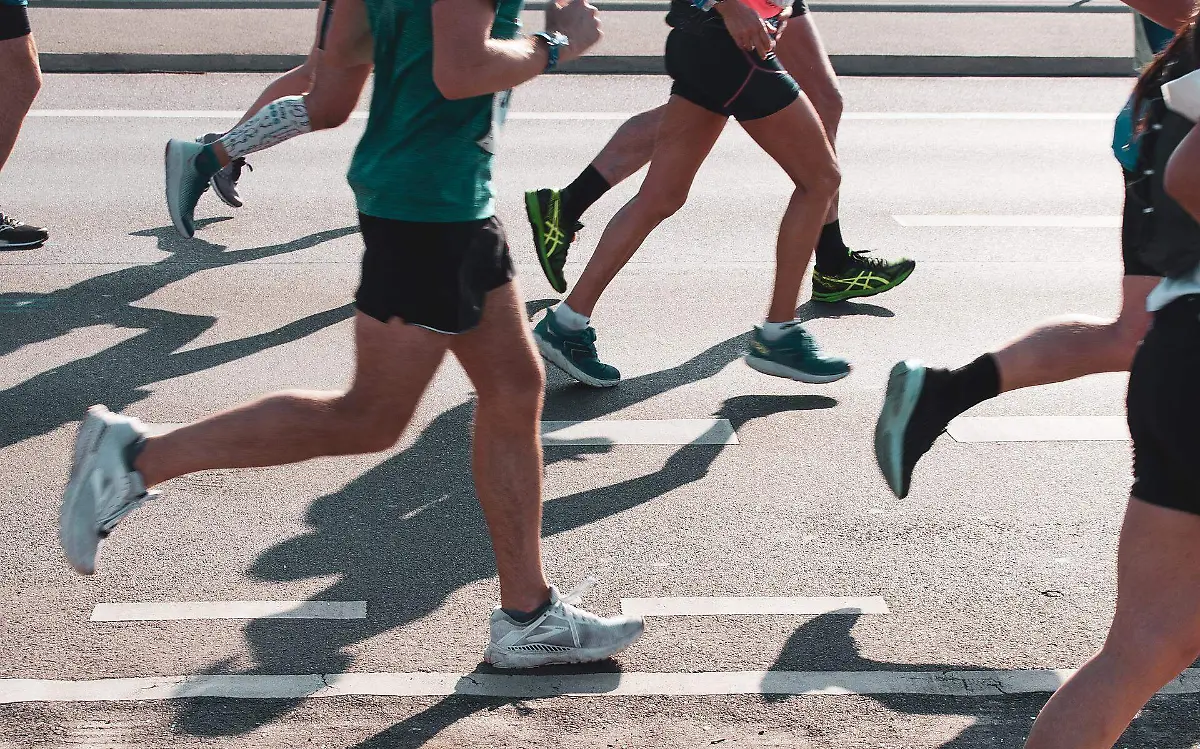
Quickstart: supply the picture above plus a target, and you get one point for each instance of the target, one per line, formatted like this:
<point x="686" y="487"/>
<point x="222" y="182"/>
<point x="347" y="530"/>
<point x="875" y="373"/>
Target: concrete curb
<point x="865" y="65"/>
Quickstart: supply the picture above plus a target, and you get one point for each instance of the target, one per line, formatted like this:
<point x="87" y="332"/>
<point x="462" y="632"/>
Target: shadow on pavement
<point x="117" y="375"/>
<point x="811" y="310"/>
<point x="408" y="533"/>
<point x="997" y="722"/>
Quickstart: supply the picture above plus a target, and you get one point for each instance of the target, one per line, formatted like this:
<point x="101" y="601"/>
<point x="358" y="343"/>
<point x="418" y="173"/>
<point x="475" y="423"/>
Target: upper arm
<point x="349" y="39"/>
<point x="1182" y="178"/>
<point x="460" y="32"/>
<point x="1170" y="14"/>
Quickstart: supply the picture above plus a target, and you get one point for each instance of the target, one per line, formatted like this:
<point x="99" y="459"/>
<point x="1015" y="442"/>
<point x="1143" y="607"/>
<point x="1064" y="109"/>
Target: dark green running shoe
<point x="574" y="352"/>
<point x="862" y="276"/>
<point x="795" y="356"/>
<point x="550" y="237"/>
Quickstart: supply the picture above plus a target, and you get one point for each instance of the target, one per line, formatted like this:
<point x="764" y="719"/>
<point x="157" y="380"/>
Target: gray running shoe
<point x="563" y="634"/>
<point x="103" y="487"/>
<point x="224" y="182"/>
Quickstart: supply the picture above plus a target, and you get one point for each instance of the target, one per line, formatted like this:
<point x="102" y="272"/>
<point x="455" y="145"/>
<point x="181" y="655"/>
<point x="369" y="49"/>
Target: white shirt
<point x="1170" y="289"/>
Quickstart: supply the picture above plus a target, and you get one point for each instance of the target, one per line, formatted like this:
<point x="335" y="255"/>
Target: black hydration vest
<point x="1163" y="234"/>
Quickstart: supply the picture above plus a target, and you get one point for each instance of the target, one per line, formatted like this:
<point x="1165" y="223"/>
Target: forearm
<point x="1169" y="14"/>
<point x="500" y="65"/>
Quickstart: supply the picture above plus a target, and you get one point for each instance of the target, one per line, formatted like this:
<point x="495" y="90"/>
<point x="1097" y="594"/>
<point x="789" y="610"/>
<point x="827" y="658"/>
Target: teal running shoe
<point x="795" y="356"/>
<point x="185" y="184"/>
<point x="574" y="352"/>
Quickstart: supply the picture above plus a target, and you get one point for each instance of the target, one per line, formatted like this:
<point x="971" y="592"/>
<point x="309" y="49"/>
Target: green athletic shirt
<point x="424" y="157"/>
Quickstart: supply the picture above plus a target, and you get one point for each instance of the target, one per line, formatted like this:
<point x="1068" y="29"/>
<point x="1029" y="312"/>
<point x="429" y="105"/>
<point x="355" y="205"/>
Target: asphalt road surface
<point x="1000" y="561"/>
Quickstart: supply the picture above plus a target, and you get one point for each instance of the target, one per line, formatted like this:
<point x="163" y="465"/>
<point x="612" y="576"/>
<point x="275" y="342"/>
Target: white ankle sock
<point x="282" y="119"/>
<point x="773" y="331"/>
<point x="569" y="318"/>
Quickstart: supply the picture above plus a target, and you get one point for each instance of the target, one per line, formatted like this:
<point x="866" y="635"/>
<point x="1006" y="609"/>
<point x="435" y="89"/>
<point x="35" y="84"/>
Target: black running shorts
<point x="435" y="276"/>
<point x="326" y="19"/>
<point x="1164" y="409"/>
<point x="14" y="21"/>
<point x="711" y="71"/>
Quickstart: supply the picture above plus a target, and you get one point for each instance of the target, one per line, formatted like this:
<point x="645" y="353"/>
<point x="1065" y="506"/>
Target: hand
<point x="748" y="30"/>
<point x="578" y="21"/>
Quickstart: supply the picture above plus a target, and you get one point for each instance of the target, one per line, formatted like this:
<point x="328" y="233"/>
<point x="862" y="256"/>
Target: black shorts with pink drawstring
<point x="709" y="69"/>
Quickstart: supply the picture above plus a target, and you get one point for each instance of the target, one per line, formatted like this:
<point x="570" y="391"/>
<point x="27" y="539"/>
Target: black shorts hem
<point x="1163" y="409"/>
<point x="14" y="22"/>
<point x="431" y="275"/>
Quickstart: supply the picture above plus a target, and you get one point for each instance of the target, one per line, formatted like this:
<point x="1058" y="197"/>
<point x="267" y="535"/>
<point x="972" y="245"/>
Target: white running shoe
<point x="103" y="487"/>
<point x="563" y="634"/>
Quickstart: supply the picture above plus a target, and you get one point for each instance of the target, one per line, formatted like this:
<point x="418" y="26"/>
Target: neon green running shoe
<point x="862" y="276"/>
<point x="551" y="239"/>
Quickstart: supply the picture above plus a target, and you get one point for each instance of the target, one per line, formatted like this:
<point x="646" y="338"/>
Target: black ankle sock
<point x="579" y="196"/>
<point x="966" y="387"/>
<point x="525" y="617"/>
<point x="832" y="252"/>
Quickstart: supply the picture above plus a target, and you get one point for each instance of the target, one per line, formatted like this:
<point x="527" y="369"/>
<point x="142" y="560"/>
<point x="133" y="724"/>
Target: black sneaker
<point x="16" y="235"/>
<point x="551" y="238"/>
<point x="909" y="422"/>
<point x="862" y="276"/>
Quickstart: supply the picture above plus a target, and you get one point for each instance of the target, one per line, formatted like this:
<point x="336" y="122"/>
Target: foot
<point x="15" y="235"/>
<point x="103" y="488"/>
<point x="563" y="634"/>
<point x="224" y="183"/>
<point x="574" y="352"/>
<point x="796" y="356"/>
<point x="862" y="276"/>
<point x="185" y="184"/>
<point x="551" y="237"/>
<point x="908" y="424"/>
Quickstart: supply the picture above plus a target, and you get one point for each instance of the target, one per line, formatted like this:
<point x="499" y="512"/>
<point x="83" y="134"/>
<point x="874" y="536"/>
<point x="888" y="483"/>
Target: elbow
<point x="452" y="82"/>
<point x="1182" y="188"/>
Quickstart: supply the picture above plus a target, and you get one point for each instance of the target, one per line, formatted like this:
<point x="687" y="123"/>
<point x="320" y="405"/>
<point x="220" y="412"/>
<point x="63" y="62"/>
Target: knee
<point x="1159" y="652"/>
<point x="517" y="387"/>
<point x="363" y="427"/>
<point x="829" y="105"/>
<point x="323" y="117"/>
<point x="23" y="84"/>
<point x="660" y="205"/>
<point x="1129" y="330"/>
<point x="824" y="182"/>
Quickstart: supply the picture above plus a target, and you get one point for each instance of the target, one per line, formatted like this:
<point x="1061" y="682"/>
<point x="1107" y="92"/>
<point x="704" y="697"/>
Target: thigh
<point x="394" y="363"/>
<point x="685" y="137"/>
<point x="499" y="352"/>
<point x="803" y="55"/>
<point x="795" y="139"/>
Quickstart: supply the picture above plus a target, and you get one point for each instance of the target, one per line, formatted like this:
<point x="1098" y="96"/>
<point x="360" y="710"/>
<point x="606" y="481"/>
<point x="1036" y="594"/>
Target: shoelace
<point x="8" y="222"/>
<point x="237" y="165"/>
<point x="872" y="263"/>
<point x="109" y="521"/>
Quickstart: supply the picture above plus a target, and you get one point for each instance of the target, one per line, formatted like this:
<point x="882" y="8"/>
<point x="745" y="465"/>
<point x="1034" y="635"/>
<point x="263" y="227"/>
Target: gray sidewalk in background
<point x="1060" y="39"/>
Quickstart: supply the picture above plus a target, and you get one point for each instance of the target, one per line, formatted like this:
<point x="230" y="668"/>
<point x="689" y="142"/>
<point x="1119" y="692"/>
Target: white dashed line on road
<point x="750" y="606"/>
<point x="639" y="432"/>
<point x="945" y="683"/>
<point x="1039" y="429"/>
<point x="1060" y="222"/>
<point x="179" y="610"/>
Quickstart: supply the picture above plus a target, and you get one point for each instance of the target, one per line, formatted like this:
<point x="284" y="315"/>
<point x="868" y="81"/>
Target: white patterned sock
<point x="282" y="119"/>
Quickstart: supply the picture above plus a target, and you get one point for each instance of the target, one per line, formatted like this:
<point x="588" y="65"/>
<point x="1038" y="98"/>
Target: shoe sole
<point x="552" y="355"/>
<point x="534" y="213"/>
<point x="87" y="439"/>
<point x="903" y="391"/>
<point x="591" y="655"/>
<point x="22" y="245"/>
<point x="841" y="296"/>
<point x="173" y="161"/>
<point x="775" y="369"/>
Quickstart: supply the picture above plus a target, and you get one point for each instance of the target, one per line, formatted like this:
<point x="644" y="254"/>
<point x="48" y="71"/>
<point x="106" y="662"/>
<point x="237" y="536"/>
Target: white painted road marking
<point x="639" y="432"/>
<point x="171" y="610"/>
<point x="748" y="606"/>
<point x="1039" y="429"/>
<point x="230" y="114"/>
<point x="1066" y="222"/>
<point x="946" y="683"/>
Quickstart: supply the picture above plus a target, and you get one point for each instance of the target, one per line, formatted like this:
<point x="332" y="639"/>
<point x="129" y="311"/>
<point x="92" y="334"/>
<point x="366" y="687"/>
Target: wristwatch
<point x="555" y="41"/>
